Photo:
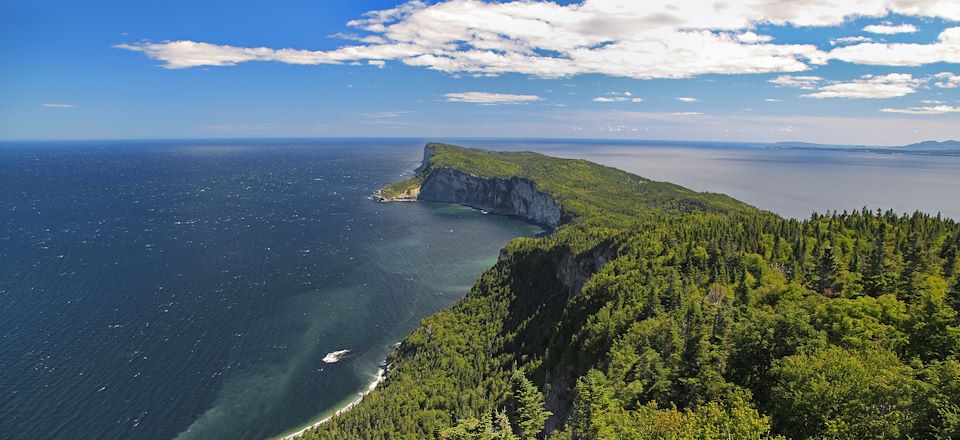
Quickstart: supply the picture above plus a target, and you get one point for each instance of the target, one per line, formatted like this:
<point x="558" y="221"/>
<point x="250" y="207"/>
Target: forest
<point x="656" y="312"/>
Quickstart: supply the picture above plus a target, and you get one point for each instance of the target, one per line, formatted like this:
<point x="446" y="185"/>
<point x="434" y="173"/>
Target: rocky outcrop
<point x="574" y="271"/>
<point x="515" y="196"/>
<point x="407" y="195"/>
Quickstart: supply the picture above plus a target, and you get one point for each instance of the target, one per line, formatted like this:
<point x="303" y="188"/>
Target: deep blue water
<point x="191" y="289"/>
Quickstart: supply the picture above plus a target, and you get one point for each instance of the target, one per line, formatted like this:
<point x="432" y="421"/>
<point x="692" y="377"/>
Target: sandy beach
<point x="381" y="374"/>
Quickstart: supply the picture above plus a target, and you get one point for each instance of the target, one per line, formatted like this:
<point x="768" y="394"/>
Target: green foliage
<point x="528" y="407"/>
<point x="497" y="427"/>
<point x="657" y="312"/>
<point x="599" y="415"/>
<point x="839" y="393"/>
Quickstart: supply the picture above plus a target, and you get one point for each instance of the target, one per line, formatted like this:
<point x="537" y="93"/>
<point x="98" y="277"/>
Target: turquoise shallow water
<point x="192" y="289"/>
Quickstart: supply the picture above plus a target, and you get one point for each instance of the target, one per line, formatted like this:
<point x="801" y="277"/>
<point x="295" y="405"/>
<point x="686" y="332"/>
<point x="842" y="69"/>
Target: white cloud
<point x="850" y="40"/>
<point x="378" y="63"/>
<point x="624" y="38"/>
<point x="751" y="37"/>
<point x="384" y="115"/>
<point x="490" y="98"/>
<point x="686" y="113"/>
<point x="772" y="100"/>
<point x="945" y="50"/>
<point x="947" y="80"/>
<point x="688" y="99"/>
<point x="617" y="97"/>
<point x="888" y="28"/>
<point x="802" y="82"/>
<point x="870" y="87"/>
<point x="929" y="110"/>
<point x="932" y="101"/>
<point x="57" y="105"/>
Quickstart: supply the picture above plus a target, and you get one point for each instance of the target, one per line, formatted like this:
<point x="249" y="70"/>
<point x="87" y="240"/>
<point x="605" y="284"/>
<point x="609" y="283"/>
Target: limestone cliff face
<point x="515" y="196"/>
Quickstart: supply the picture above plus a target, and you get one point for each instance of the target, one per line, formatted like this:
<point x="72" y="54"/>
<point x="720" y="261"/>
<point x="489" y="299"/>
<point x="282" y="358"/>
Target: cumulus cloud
<point x="806" y="82"/>
<point x="928" y="110"/>
<point x="870" y="87"/>
<point x="490" y="98"/>
<point x="947" y="80"/>
<point x="618" y="97"/>
<point x="687" y="99"/>
<point x="888" y="28"/>
<point x="772" y="100"/>
<point x="655" y="39"/>
<point x="750" y="37"/>
<point x="945" y="50"/>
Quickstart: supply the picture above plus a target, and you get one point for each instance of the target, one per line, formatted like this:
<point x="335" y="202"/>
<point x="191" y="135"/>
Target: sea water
<point x="214" y="289"/>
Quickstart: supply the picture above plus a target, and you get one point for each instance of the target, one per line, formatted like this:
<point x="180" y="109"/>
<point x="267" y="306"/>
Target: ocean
<point x="242" y="289"/>
<point x="192" y="290"/>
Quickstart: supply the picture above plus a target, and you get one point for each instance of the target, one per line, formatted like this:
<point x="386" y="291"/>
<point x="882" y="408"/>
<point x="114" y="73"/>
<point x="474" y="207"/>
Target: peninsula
<point x="653" y="311"/>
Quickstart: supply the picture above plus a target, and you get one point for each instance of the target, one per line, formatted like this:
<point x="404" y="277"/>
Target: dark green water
<point x="192" y="289"/>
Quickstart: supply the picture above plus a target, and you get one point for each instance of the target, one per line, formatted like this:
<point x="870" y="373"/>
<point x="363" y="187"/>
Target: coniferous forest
<point x="657" y="312"/>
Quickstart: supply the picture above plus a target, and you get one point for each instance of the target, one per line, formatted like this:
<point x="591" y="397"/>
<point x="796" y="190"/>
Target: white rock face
<point x="513" y="196"/>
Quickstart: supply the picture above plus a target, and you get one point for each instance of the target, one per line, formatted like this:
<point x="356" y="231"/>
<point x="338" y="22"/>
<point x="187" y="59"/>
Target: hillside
<point x="933" y="146"/>
<point x="653" y="311"/>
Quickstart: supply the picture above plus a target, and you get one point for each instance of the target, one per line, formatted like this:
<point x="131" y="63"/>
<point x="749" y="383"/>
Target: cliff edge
<point x="514" y="196"/>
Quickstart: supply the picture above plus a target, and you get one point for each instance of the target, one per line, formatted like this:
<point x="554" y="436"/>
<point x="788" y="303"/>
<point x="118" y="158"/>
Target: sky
<point x="871" y="72"/>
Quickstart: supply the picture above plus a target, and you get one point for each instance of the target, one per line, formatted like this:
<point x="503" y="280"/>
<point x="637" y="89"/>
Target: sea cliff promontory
<point x="513" y="196"/>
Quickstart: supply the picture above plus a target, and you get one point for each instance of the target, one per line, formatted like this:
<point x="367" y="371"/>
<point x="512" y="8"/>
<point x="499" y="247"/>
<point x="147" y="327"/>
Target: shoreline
<point x="381" y="375"/>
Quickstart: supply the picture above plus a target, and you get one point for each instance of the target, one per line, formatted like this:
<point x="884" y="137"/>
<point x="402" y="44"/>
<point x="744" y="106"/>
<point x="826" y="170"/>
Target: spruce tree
<point x="529" y="411"/>
<point x="876" y="277"/>
<point x="828" y="270"/>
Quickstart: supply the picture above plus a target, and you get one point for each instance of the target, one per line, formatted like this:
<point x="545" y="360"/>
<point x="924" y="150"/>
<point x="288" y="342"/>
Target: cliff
<point x="516" y="196"/>
<point x="513" y="196"/>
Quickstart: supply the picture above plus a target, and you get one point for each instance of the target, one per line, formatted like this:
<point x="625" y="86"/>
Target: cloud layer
<point x="928" y="110"/>
<point x="890" y="29"/>
<point x="625" y="38"/>
<point x="618" y="97"/>
<point x="893" y="85"/>
<point x="490" y="98"/>
<point x="870" y="87"/>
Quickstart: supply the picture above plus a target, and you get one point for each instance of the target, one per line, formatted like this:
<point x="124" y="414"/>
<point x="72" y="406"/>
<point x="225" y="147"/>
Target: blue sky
<point x="878" y="72"/>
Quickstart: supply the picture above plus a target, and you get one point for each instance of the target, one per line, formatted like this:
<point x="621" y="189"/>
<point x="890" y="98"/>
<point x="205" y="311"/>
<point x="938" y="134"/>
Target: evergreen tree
<point x="828" y="270"/>
<point x="742" y="293"/>
<point x="529" y="412"/>
<point x="876" y="279"/>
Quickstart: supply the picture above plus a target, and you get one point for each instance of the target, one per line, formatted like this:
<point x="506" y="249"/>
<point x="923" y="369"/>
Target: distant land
<point x="933" y="146"/>
<point x="936" y="148"/>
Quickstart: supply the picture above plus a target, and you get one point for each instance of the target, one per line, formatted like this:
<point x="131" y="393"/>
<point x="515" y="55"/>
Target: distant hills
<point x="933" y="146"/>
<point x="944" y="148"/>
